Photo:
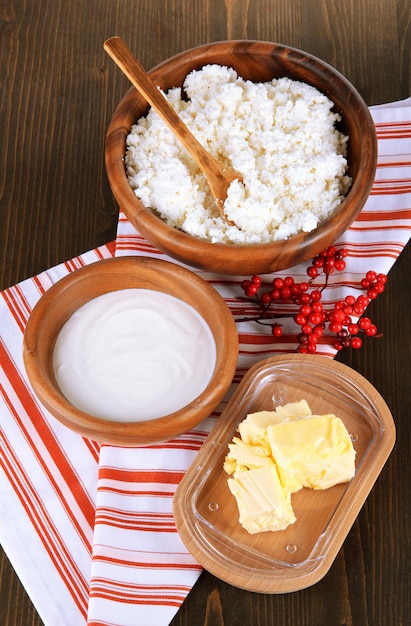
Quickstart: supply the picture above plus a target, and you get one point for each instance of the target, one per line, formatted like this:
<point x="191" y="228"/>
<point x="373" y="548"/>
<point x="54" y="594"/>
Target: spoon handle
<point x="125" y="60"/>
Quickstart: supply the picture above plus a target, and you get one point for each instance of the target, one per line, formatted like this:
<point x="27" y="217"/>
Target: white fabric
<point x="89" y="528"/>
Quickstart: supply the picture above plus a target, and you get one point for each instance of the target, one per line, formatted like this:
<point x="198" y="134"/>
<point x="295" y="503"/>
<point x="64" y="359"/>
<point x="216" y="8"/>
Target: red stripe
<point x="377" y="216"/>
<point x="47" y="532"/>
<point x="382" y="189"/>
<point x="138" y="492"/>
<point x="140" y="476"/>
<point x="135" y="522"/>
<point x="136" y="598"/>
<point x="49" y="440"/>
<point x="11" y="304"/>
<point x="147" y="565"/>
<point x="395" y="164"/>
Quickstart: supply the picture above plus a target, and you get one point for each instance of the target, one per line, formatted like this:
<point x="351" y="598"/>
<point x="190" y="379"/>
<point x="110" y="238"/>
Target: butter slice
<point x="242" y="455"/>
<point x="253" y="429"/>
<point x="316" y="452"/>
<point x="263" y="504"/>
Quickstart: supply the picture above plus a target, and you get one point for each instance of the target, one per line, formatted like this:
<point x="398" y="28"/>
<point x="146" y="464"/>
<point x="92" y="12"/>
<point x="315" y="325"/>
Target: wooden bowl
<point x="71" y="292"/>
<point x="257" y="61"/>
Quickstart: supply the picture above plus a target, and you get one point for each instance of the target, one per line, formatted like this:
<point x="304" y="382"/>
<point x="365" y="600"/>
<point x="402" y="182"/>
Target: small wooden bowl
<point x="71" y="292"/>
<point x="257" y="61"/>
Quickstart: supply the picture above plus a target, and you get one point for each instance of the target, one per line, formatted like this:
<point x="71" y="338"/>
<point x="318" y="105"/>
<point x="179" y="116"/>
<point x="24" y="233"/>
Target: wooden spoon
<point x="219" y="176"/>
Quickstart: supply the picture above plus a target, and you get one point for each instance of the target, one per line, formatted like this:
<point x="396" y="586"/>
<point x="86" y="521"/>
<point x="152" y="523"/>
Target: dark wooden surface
<point x="58" y="90"/>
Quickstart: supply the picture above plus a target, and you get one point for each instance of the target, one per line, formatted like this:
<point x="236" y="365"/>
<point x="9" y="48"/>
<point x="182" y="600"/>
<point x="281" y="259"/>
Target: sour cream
<point x="134" y="355"/>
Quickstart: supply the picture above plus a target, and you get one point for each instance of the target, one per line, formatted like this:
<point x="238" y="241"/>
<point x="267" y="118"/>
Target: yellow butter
<point x="280" y="452"/>
<point x="253" y="429"/>
<point x="263" y="504"/>
<point x="245" y="456"/>
<point x="315" y="452"/>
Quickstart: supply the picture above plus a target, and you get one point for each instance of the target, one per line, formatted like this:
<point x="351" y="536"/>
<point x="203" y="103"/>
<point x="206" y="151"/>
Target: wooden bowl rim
<point x="128" y="433"/>
<point x="148" y="223"/>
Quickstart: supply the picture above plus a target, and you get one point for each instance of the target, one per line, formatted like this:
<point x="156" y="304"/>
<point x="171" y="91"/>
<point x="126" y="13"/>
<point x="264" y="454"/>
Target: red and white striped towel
<point x="88" y="527"/>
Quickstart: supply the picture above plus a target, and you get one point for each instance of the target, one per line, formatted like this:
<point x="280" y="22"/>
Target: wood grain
<point x="58" y="92"/>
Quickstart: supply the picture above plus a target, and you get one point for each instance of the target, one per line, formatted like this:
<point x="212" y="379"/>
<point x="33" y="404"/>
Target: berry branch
<point x="340" y="324"/>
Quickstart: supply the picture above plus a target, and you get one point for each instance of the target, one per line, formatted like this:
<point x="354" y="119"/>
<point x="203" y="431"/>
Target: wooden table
<point x="58" y="92"/>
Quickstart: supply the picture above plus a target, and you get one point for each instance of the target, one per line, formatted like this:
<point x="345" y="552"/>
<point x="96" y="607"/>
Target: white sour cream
<point x="134" y="355"/>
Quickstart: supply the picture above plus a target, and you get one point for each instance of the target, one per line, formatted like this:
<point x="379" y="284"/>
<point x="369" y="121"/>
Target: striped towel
<point x="93" y="523"/>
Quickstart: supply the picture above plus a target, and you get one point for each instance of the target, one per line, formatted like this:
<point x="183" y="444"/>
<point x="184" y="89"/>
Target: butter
<point x="262" y="502"/>
<point x="315" y="452"/>
<point x="280" y="452"/>
<point x="253" y="429"/>
<point x="245" y="456"/>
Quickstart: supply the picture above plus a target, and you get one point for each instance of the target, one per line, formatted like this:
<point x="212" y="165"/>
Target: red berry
<point x="305" y="309"/>
<point x="277" y="330"/>
<point x="251" y="290"/>
<point x="364" y="323"/>
<point x="372" y="294"/>
<point x="300" y="319"/>
<point x="350" y="300"/>
<point x="266" y="297"/>
<point x="316" y="295"/>
<point x="315" y="318"/>
<point x="353" y="329"/>
<point x="358" y="309"/>
<point x="356" y="343"/>
<point x="285" y="293"/>
<point x="312" y="272"/>
<point x="335" y="327"/>
<point x="378" y="287"/>
<point x="371" y="331"/>
<point x="371" y="276"/>
<point x="278" y="283"/>
<point x="340" y="254"/>
<point x="363" y="300"/>
<point x="337" y="316"/>
<point x="256" y="280"/>
<point x="316" y="307"/>
<point x="340" y="266"/>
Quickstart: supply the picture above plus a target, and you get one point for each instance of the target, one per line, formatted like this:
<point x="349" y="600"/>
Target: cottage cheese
<point x="280" y="135"/>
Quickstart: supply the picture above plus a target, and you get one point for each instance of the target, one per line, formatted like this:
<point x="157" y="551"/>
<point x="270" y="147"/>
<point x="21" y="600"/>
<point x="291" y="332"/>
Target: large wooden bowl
<point x="71" y="292"/>
<point x="257" y="61"/>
